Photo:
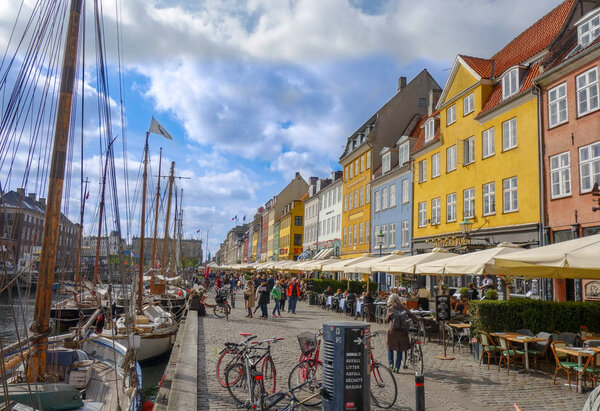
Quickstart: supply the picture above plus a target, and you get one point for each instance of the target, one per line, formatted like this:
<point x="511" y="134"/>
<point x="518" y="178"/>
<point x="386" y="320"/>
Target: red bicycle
<point x="309" y="370"/>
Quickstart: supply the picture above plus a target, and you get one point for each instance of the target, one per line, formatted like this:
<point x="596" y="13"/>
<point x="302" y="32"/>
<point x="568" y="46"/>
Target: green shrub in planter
<point x="491" y="294"/>
<point x="356" y="287"/>
<point x="463" y="292"/>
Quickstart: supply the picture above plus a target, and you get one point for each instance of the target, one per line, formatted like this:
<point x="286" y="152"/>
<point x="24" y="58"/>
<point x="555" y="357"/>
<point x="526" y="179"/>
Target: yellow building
<point x="291" y="230"/>
<point x="476" y="163"/>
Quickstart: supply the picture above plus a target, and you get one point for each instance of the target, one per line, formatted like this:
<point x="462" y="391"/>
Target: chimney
<point x="43" y="201"/>
<point x="434" y="96"/>
<point x="337" y="175"/>
<point x="32" y="196"/>
<point x="313" y="180"/>
<point x="401" y="83"/>
<point x="21" y="192"/>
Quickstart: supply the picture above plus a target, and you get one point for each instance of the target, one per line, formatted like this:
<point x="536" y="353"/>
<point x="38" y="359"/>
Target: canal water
<point x="18" y="303"/>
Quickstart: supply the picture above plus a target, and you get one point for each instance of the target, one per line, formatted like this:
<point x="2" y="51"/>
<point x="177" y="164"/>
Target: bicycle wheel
<point x="237" y="382"/>
<point x="384" y="390"/>
<point x="269" y="374"/>
<point x="416" y="358"/>
<point x="227" y="357"/>
<point x="221" y="310"/>
<point x="309" y="373"/>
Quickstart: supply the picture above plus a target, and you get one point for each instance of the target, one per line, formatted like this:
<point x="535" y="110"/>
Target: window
<point x="356" y="167"/>
<point x="405" y="233"/>
<point x="377" y="201"/>
<point x="361" y="196"/>
<point x="328" y="226"/>
<point x="489" y="198"/>
<point x="435" y="165"/>
<point x="392" y="235"/>
<point x="487" y="143"/>
<point x="367" y="231"/>
<point x="509" y="134"/>
<point x="338" y="226"/>
<point x="430" y="129"/>
<point x="360" y="233"/>
<point x="510" y="198"/>
<point x="345" y="235"/>
<point x="557" y="105"/>
<point x="587" y="92"/>
<point x="589" y="31"/>
<point x="345" y="203"/>
<point x="386" y="162"/>
<point x="422" y="214"/>
<point x="355" y="198"/>
<point x="510" y="83"/>
<point x="362" y="163"/>
<point x="368" y="194"/>
<point x="468" y="151"/>
<point x="405" y="193"/>
<point x="339" y="194"/>
<point x="377" y="231"/>
<point x="450" y="159"/>
<point x="350" y="176"/>
<point x="298" y="220"/>
<point x="469" y="203"/>
<point x="450" y="115"/>
<point x="349" y="235"/>
<point x="393" y="195"/>
<point x="422" y="102"/>
<point x="384" y="231"/>
<point x="589" y="166"/>
<point x="422" y="171"/>
<point x="468" y="104"/>
<point x="435" y="211"/>
<point x="451" y="207"/>
<point x="560" y="175"/>
<point x="355" y="234"/>
<point x="403" y="153"/>
<point x="297" y="239"/>
<point x="368" y="159"/>
<point x="384" y="198"/>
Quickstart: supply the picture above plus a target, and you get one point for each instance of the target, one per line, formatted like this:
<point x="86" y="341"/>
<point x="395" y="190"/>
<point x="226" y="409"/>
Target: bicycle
<point x="233" y="353"/>
<point x="309" y="369"/>
<point x="222" y="308"/>
<point x="242" y="378"/>
<point x="294" y="403"/>
<point x="414" y="356"/>
<point x="384" y="390"/>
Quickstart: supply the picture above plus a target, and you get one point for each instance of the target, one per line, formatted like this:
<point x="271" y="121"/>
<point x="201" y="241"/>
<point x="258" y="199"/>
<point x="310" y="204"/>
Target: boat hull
<point x="151" y="345"/>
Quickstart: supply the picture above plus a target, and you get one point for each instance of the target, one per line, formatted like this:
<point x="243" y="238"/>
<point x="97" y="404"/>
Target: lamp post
<point x="380" y="239"/>
<point x="465" y="227"/>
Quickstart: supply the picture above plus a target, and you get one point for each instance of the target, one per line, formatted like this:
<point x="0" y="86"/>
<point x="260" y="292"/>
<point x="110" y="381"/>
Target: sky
<point x="254" y="90"/>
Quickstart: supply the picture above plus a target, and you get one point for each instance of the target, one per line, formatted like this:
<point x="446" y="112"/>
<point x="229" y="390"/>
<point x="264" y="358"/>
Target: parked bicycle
<point x="384" y="390"/>
<point x="415" y="354"/>
<point x="242" y="379"/>
<point x="222" y="308"/>
<point x="309" y="369"/>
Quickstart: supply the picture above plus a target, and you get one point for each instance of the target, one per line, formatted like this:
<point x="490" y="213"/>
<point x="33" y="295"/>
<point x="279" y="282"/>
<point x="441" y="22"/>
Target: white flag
<point x="158" y="129"/>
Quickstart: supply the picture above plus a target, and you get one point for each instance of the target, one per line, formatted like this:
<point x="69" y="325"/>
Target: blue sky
<point x="254" y="90"/>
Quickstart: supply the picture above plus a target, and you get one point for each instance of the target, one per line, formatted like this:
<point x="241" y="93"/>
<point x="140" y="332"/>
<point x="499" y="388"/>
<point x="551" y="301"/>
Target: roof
<point x="13" y="199"/>
<point x="483" y="67"/>
<point x="419" y="133"/>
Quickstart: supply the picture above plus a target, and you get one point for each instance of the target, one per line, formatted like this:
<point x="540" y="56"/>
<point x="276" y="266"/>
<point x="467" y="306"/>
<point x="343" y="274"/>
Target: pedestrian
<point x="423" y="296"/>
<point x="472" y="293"/>
<point x="276" y="296"/>
<point x="397" y="333"/>
<point x="270" y="282"/>
<point x="283" y="285"/>
<point x="293" y="293"/>
<point x="249" y="296"/>
<point x="262" y="295"/>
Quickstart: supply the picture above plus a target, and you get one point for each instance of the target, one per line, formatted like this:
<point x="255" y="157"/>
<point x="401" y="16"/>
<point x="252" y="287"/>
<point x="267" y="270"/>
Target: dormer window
<point x="429" y="129"/>
<point x="386" y="162"/>
<point x="588" y="28"/>
<point x="403" y="153"/>
<point x="510" y="83"/>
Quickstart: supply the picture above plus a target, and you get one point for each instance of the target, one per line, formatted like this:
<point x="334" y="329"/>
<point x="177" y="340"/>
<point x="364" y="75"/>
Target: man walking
<point x="293" y="293"/>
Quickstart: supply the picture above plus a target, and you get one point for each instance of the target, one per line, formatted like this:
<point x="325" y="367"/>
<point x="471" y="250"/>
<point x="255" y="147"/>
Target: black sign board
<point x="442" y="307"/>
<point x="310" y="284"/>
<point x="354" y="368"/>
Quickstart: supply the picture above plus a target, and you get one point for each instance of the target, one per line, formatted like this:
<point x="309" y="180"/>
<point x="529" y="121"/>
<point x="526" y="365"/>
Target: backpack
<point x="400" y="320"/>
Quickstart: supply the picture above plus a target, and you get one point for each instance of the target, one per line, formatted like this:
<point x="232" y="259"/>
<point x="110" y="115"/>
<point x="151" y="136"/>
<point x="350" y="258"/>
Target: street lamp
<point x="380" y="239"/>
<point x="465" y="227"/>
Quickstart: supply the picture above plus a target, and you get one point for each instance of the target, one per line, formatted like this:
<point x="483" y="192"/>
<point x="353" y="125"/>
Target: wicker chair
<point x="589" y="369"/>
<point x="561" y="361"/>
<point x="488" y="347"/>
<point x="507" y="351"/>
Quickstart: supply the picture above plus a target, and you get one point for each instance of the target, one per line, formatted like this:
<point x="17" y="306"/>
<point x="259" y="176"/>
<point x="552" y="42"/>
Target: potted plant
<point x="491" y="294"/>
<point x="463" y="292"/>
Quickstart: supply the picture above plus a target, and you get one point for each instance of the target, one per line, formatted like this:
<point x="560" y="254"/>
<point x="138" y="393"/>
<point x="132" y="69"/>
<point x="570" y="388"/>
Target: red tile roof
<point x="419" y="133"/>
<point x="483" y="67"/>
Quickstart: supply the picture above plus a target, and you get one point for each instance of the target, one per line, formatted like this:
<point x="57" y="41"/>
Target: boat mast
<point x="164" y="250"/>
<point x="173" y="241"/>
<point x="152" y="291"/>
<point x="101" y="217"/>
<point x="78" y="262"/>
<point x="43" y="297"/>
<point x="143" y="226"/>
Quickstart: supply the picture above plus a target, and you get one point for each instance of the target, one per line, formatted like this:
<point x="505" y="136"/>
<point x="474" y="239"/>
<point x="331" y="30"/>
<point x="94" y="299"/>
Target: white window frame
<point x="368" y="193"/>
<point x="489" y="198"/>
<point x="436" y="211"/>
<point x="468" y="104"/>
<point x="422" y="214"/>
<point x="384" y="198"/>
<point x="423" y="170"/>
<point x="384" y="230"/>
<point x="557" y="105"/>
<point x="362" y="164"/>
<point x="360" y="233"/>
<point x="430" y="129"/>
<point x="451" y="115"/>
<point x="386" y="162"/>
<point x="392" y="196"/>
<point x="392" y="235"/>
<point x="488" y="143"/>
<point x="587" y="163"/>
<point x="510" y="83"/>
<point x="587" y="92"/>
<point x="509" y="134"/>
<point x="451" y="158"/>
<point x="346" y="203"/>
<point x="510" y="195"/>
<point x="405" y="191"/>
<point x="451" y="207"/>
<point x="361" y="196"/>
<point x="356" y="198"/>
<point x="560" y="175"/>
<point x="469" y="203"/>
<point x="403" y="153"/>
<point x="588" y="31"/>
<point x="405" y="233"/>
<point x="469" y="151"/>
<point x="350" y="172"/>
<point x="345" y="235"/>
<point x="377" y="198"/>
<point x="368" y="154"/>
<point x="355" y="234"/>
<point x="435" y="165"/>
<point x="367" y="231"/>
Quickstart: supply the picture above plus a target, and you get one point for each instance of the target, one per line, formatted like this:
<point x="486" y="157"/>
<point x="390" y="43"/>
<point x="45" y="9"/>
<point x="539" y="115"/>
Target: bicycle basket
<point x="307" y="341"/>
<point x="221" y="296"/>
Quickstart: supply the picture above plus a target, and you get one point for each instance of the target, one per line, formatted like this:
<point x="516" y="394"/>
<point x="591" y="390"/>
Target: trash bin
<point x="345" y="366"/>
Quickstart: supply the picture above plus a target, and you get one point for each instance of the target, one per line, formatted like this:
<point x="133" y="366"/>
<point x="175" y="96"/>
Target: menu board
<point x="310" y="284"/>
<point x="354" y="367"/>
<point x="442" y="307"/>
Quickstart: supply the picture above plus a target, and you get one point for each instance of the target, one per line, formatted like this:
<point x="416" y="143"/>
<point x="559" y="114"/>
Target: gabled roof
<point x="483" y="67"/>
<point x="419" y="133"/>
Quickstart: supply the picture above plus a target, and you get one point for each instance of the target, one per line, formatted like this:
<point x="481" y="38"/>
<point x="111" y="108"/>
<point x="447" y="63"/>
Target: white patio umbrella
<point x="578" y="258"/>
<point x="407" y="264"/>
<point x="316" y="265"/>
<point x="365" y="266"/>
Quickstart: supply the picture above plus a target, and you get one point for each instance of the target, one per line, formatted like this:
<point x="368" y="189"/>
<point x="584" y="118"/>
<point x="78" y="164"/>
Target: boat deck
<point x="106" y="386"/>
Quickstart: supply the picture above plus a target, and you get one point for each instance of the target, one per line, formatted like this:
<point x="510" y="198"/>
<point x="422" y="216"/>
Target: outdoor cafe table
<point x="580" y="353"/>
<point x="521" y="339"/>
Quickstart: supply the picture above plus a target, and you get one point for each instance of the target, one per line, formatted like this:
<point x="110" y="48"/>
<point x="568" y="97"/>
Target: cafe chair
<point x="507" y="351"/>
<point x="368" y="312"/>
<point x="525" y="331"/>
<point x="335" y="304"/>
<point x="589" y="370"/>
<point x="571" y="339"/>
<point x="350" y="306"/>
<point x="592" y="343"/>
<point x="539" y="349"/>
<point x="488" y="347"/>
<point x="561" y="361"/>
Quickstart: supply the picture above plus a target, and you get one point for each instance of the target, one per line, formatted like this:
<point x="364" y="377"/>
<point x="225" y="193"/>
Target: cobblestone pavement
<point x="460" y="384"/>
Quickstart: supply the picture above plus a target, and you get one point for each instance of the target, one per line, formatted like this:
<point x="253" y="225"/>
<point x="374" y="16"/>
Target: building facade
<point x="329" y="227"/>
<point x="291" y="229"/>
<point x="311" y="219"/>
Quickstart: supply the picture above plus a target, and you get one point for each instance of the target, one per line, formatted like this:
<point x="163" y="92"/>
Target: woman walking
<point x="397" y="334"/>
<point x="283" y="285"/>
<point x="262" y="295"/>
<point x="249" y="296"/>
<point x="276" y="295"/>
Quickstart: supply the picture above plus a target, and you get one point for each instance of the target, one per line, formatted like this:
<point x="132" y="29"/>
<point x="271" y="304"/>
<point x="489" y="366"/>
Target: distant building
<point x="189" y="249"/>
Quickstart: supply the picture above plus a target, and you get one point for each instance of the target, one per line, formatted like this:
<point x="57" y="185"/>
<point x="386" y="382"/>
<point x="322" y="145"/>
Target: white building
<point x="329" y="225"/>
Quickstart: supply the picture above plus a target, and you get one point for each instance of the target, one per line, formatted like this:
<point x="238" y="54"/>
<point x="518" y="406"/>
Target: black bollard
<point x="419" y="392"/>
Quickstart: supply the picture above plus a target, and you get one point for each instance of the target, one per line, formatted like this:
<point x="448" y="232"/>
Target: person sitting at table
<point x="462" y="306"/>
<point x="338" y="294"/>
<point x="328" y="291"/>
<point x="453" y="303"/>
<point x="472" y="293"/>
<point x="368" y="298"/>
